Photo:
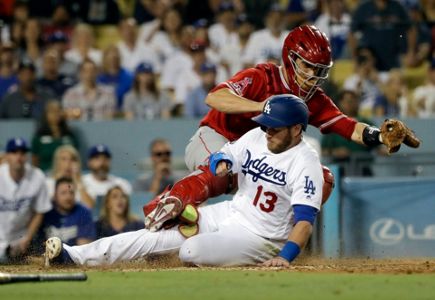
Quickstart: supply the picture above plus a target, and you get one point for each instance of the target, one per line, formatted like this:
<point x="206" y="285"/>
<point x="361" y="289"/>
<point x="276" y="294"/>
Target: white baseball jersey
<point x="270" y="184"/>
<point x="19" y="201"/>
<point x="97" y="188"/>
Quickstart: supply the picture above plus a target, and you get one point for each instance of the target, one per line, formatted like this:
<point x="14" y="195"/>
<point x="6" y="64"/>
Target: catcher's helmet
<point x="282" y="111"/>
<point x="312" y="46"/>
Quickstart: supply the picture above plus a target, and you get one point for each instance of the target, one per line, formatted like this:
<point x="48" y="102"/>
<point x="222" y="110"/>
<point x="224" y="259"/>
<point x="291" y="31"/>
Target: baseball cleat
<point x="53" y="248"/>
<point x="167" y="209"/>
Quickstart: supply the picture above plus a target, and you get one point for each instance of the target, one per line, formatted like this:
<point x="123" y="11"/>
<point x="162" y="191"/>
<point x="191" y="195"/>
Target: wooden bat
<point x="11" y="278"/>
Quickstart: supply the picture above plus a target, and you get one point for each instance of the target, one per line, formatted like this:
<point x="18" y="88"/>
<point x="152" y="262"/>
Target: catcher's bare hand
<point x="276" y="262"/>
<point x="395" y="132"/>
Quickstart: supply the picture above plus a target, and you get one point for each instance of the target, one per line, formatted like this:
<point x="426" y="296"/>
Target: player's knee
<point x="189" y="251"/>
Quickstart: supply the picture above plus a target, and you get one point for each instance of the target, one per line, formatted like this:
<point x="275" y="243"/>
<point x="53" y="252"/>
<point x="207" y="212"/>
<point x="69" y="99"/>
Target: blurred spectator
<point x="60" y="22"/>
<point x="267" y="42"/>
<point x="231" y="55"/>
<point x="392" y="102"/>
<point x="179" y="62"/>
<point x="365" y="81"/>
<point x="224" y="31"/>
<point x="162" y="174"/>
<point x="99" y="180"/>
<point x="134" y="51"/>
<point x="98" y="12"/>
<point x="301" y="12"/>
<point x="341" y="150"/>
<point x="15" y="24"/>
<point x="112" y="74"/>
<point x="428" y="7"/>
<point x="424" y="95"/>
<point x="52" y="132"/>
<point x="256" y="10"/>
<point x="335" y="23"/>
<point x="68" y="220"/>
<point x="59" y="41"/>
<point x="115" y="215"/>
<point x="51" y="79"/>
<point x="23" y="201"/>
<point x="381" y="25"/>
<point x="82" y="46"/>
<point x="190" y="78"/>
<point x="423" y="44"/>
<point x="8" y="77"/>
<point x="28" y="100"/>
<point x="67" y="163"/>
<point x="166" y="39"/>
<point x="156" y="10"/>
<point x="144" y="101"/>
<point x="195" y="106"/>
<point x="89" y="101"/>
<point x="33" y="41"/>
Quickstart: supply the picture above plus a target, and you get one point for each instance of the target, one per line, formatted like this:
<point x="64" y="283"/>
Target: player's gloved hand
<point x="395" y="132"/>
<point x="277" y="261"/>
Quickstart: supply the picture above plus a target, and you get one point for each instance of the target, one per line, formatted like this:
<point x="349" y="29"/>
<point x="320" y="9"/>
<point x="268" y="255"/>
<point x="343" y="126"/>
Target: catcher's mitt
<point x="395" y="132"/>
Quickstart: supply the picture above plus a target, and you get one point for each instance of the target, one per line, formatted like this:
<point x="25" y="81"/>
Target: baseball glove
<point x="395" y="132"/>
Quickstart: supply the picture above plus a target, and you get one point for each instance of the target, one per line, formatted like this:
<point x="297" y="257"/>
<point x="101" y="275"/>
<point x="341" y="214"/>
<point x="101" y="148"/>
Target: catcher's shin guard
<point x="328" y="185"/>
<point x="194" y="190"/>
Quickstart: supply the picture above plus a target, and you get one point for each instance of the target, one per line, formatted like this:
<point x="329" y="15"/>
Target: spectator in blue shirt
<point x="115" y="215"/>
<point x="8" y="77"/>
<point x="68" y="220"/>
<point x="195" y="106"/>
<point x="114" y="75"/>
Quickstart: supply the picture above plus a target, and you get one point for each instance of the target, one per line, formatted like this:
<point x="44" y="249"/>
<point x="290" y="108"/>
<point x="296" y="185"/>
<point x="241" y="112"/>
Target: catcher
<point x="306" y="57"/>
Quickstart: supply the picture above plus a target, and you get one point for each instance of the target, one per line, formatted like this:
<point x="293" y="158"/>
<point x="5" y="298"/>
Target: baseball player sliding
<point x="269" y="219"/>
<point x="306" y="56"/>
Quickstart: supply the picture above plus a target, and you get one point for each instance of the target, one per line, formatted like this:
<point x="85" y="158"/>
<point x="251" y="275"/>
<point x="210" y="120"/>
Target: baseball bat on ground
<point x="11" y="278"/>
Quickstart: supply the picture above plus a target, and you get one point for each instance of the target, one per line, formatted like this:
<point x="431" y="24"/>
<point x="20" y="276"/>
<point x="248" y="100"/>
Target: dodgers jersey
<point x="19" y="201"/>
<point x="258" y="84"/>
<point x="270" y="184"/>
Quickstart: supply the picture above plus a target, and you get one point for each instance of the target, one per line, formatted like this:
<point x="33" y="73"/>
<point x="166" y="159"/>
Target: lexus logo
<point x="387" y="231"/>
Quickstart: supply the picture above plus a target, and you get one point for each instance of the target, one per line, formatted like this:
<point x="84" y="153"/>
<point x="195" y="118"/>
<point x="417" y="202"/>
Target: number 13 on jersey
<point x="265" y="200"/>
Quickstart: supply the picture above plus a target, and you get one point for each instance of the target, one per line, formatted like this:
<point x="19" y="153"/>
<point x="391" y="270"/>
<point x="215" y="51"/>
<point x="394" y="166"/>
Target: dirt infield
<point x="303" y="264"/>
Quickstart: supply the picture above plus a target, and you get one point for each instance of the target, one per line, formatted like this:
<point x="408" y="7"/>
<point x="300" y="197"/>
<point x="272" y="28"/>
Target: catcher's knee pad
<point x="328" y="184"/>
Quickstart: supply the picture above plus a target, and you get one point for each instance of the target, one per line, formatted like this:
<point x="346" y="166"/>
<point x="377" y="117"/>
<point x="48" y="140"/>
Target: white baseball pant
<point x="204" y="142"/>
<point x="221" y="241"/>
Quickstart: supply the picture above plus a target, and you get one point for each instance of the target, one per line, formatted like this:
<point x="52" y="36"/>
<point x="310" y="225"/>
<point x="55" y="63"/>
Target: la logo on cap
<point x="18" y="142"/>
<point x="267" y="108"/>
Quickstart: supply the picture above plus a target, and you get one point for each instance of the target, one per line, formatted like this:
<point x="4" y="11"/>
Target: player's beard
<point x="279" y="145"/>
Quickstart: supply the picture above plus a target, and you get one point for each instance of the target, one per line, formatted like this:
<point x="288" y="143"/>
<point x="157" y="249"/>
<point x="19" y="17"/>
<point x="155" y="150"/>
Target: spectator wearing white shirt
<point x="191" y="77"/>
<point x="134" y="51"/>
<point x="179" y="62"/>
<point x="82" y="46"/>
<point x="231" y="54"/>
<point x="224" y="31"/>
<point x="424" y="95"/>
<point x="23" y="201"/>
<point x="267" y="42"/>
<point x="166" y="40"/>
<point x="99" y="180"/>
<point x="335" y="23"/>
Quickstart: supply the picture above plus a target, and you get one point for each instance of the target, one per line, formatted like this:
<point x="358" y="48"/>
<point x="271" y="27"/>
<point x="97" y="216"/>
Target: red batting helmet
<point x="312" y="46"/>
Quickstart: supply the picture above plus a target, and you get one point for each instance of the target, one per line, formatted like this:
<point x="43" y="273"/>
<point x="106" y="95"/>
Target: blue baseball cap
<point x="207" y="67"/>
<point x="99" y="149"/>
<point x="226" y="6"/>
<point x="17" y="144"/>
<point x="144" y="67"/>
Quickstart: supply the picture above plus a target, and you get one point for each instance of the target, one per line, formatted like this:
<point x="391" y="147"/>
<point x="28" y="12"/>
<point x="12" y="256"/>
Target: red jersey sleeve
<point x="326" y="116"/>
<point x="250" y="83"/>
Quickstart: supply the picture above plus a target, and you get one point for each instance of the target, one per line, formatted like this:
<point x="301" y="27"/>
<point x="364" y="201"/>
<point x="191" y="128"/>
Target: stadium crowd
<point x="92" y="60"/>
